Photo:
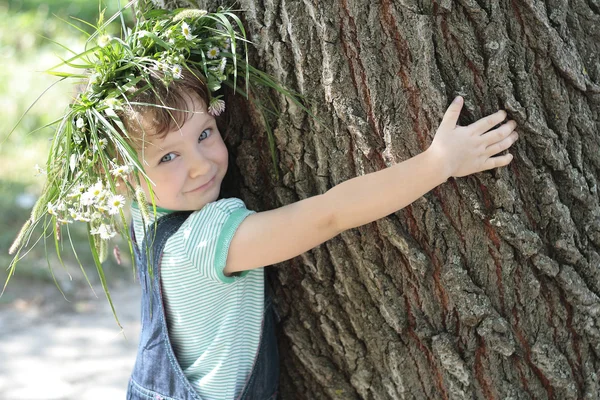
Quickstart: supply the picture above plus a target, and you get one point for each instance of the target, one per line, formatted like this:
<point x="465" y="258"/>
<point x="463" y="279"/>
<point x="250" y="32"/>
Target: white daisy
<point x="176" y="71"/>
<point x="51" y="208"/>
<point x="213" y="53"/>
<point x="105" y="231"/>
<point x="87" y="199"/>
<point x="121" y="171"/>
<point x="81" y="218"/>
<point x="79" y="123"/>
<point x="115" y="203"/>
<point x="187" y="32"/>
<point x="76" y="192"/>
<point x="94" y="195"/>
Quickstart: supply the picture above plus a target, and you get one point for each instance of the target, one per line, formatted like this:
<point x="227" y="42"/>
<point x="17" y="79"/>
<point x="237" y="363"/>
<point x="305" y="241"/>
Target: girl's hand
<point x="465" y="150"/>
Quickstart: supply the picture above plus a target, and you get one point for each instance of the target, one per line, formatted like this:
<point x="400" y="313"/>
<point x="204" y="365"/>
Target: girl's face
<point x="188" y="165"/>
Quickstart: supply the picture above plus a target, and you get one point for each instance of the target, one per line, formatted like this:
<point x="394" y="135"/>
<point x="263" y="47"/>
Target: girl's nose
<point x="198" y="164"/>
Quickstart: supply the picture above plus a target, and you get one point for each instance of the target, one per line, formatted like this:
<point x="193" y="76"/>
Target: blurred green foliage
<point x="86" y="10"/>
<point x="27" y="31"/>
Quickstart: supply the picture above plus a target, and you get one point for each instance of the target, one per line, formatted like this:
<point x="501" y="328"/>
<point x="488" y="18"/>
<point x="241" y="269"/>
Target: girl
<point x="145" y="123"/>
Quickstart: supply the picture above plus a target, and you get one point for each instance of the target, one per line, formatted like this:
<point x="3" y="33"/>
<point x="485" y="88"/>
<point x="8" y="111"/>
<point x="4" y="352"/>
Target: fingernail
<point x="457" y="99"/>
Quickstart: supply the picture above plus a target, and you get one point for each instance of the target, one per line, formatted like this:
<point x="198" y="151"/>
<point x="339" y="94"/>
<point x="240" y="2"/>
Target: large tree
<point x="488" y="286"/>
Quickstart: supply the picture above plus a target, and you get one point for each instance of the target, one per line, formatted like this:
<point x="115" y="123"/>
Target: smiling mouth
<point x="200" y="188"/>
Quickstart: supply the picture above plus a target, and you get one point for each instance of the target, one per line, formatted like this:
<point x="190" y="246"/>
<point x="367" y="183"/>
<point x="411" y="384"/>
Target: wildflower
<point x="73" y="213"/>
<point x="52" y="208"/>
<point x="81" y="217"/>
<point x="213" y="52"/>
<point x="121" y="171"/>
<point x="216" y="107"/>
<point x="104" y="231"/>
<point x="187" y="33"/>
<point x="115" y="203"/>
<point x="87" y="199"/>
<point x="189" y="13"/>
<point x="94" y="195"/>
<point x="103" y="40"/>
<point x="227" y="44"/>
<point x="39" y="170"/>
<point x="101" y="206"/>
<point x="96" y="189"/>
<point x="176" y="71"/>
<point x="79" y="123"/>
<point x="161" y="66"/>
<point x="73" y="162"/>
<point x="102" y="143"/>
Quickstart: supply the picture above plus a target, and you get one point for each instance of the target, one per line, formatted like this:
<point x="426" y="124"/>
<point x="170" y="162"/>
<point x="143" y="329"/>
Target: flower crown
<point x="91" y="152"/>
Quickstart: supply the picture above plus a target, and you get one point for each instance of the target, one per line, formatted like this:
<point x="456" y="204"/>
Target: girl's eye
<point x="204" y="135"/>
<point x="167" y="158"/>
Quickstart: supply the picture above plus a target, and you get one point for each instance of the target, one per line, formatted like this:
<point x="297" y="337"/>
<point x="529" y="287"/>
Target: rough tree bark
<point x="487" y="287"/>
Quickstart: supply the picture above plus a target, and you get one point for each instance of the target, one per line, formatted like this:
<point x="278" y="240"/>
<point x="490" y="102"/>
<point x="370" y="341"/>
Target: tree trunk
<point x="488" y="286"/>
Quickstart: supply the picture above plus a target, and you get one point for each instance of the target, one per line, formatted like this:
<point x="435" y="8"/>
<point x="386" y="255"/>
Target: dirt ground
<point x="51" y="349"/>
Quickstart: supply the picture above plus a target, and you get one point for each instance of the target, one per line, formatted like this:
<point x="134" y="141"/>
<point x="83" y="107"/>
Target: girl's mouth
<point x="201" y="188"/>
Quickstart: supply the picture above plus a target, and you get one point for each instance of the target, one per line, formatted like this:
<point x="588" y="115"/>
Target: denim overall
<point x="157" y="374"/>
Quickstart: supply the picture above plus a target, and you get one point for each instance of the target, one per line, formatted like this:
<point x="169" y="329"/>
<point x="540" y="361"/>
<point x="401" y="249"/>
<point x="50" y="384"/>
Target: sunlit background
<point x="59" y="338"/>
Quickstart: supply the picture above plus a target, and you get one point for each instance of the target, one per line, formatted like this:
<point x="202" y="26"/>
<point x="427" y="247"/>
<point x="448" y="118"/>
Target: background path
<point x="51" y="349"/>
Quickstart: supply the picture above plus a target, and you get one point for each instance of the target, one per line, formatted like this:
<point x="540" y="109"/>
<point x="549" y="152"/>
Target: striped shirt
<point x="214" y="320"/>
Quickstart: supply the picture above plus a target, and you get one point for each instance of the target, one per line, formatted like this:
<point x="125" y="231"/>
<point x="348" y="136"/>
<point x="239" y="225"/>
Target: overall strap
<point x="156" y="374"/>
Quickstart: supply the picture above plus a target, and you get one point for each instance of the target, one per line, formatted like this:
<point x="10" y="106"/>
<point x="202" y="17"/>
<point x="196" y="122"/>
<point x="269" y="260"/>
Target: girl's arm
<point x="274" y="236"/>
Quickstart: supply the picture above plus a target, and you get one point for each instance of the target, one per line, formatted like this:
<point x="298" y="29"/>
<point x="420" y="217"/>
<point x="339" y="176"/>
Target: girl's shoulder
<point x="217" y="212"/>
<point x="227" y="205"/>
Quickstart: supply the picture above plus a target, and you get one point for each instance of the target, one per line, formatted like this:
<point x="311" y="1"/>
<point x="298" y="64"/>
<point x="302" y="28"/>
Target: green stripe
<point x="229" y="228"/>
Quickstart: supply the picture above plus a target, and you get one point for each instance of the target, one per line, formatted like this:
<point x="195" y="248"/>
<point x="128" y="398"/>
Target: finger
<point x="485" y="124"/>
<point x="502" y="145"/>
<point x="499" y="134"/>
<point x="452" y="113"/>
<point x="497" y="162"/>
